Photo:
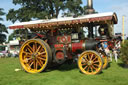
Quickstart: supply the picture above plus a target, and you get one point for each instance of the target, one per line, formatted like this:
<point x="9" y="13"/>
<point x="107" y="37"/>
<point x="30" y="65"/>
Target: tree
<point x="124" y="52"/>
<point x="43" y="9"/>
<point x="73" y="8"/>
<point x="2" y="28"/>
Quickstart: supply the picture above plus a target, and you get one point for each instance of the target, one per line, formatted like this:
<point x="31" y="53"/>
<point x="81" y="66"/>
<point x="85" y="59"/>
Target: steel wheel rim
<point x="33" y="56"/>
<point x="90" y="63"/>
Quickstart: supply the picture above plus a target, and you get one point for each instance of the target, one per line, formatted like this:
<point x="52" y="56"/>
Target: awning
<point x="67" y="21"/>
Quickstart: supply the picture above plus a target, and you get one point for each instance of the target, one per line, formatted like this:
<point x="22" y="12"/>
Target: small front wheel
<point x="90" y="62"/>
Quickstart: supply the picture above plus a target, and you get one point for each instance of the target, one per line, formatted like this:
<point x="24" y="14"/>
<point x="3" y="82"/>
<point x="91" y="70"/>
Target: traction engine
<point x="59" y="40"/>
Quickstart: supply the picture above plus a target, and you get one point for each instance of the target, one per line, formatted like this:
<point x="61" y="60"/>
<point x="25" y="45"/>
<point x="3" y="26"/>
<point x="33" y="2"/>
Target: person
<point x="118" y="46"/>
<point x="115" y="53"/>
<point x="110" y="54"/>
<point x="107" y="51"/>
<point x="117" y="49"/>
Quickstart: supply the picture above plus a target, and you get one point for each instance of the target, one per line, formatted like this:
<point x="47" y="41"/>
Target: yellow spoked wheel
<point x="34" y="55"/>
<point x="90" y="62"/>
<point x="105" y="61"/>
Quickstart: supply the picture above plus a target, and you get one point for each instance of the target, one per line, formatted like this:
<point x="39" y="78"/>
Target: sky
<point x="120" y="7"/>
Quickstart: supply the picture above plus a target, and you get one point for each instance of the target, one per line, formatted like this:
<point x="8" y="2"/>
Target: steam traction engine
<point x="60" y="40"/>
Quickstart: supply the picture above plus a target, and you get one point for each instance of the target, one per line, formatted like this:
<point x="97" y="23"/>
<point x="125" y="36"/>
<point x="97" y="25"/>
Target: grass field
<point x="65" y="75"/>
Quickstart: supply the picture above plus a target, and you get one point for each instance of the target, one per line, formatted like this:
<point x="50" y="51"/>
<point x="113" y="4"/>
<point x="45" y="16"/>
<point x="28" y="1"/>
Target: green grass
<point x="65" y="75"/>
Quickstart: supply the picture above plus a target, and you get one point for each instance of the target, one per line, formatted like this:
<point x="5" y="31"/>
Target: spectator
<point x="116" y="50"/>
<point x="115" y="53"/>
<point x="107" y="51"/>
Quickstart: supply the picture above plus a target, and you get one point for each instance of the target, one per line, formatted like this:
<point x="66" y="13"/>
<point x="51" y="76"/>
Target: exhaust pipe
<point x="90" y="9"/>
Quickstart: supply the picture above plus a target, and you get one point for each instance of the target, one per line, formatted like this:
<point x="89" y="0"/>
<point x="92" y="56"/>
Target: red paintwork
<point x="15" y="27"/>
<point x="77" y="46"/>
<point x="64" y="39"/>
<point x="40" y="35"/>
<point x="58" y="45"/>
<point x="60" y="55"/>
<point x="111" y="44"/>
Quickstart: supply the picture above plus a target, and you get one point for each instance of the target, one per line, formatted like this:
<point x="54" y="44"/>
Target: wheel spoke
<point x="85" y="57"/>
<point x="27" y="53"/>
<point x="31" y="65"/>
<point x="93" y="67"/>
<point x="41" y="49"/>
<point x="96" y="62"/>
<point x="91" y="57"/>
<point x="85" y="67"/>
<point x="30" y="49"/>
<point x="34" y="47"/>
<point x="88" y="68"/>
<point x="41" y="58"/>
<point x="88" y="56"/>
<point x="96" y="65"/>
<point x="29" y="62"/>
<point x="42" y="53"/>
<point x="34" y="64"/>
<point x="38" y="49"/>
<point x="94" y="58"/>
<point x="40" y="64"/>
<point x="27" y="59"/>
<point x="84" y="64"/>
<point x="27" y="56"/>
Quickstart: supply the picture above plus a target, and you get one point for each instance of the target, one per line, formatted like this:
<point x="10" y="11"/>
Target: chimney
<point x="90" y="9"/>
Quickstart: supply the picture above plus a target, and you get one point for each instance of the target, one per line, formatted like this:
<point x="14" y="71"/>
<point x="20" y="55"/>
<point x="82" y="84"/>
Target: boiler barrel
<point x="83" y="45"/>
<point x="91" y="44"/>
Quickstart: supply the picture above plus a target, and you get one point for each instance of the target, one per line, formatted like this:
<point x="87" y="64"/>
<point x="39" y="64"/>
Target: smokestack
<point x="90" y="9"/>
<point x="89" y="4"/>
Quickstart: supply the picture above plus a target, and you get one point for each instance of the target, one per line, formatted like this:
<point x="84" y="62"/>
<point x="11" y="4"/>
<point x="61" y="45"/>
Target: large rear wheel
<point x="90" y="62"/>
<point x="35" y="55"/>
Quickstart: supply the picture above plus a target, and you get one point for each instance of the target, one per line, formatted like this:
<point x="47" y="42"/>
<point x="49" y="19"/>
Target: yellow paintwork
<point x="31" y="58"/>
<point x="105" y="62"/>
<point x="93" y="62"/>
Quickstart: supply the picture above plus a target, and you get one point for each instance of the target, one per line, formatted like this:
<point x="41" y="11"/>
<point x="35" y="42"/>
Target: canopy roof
<point x="67" y="22"/>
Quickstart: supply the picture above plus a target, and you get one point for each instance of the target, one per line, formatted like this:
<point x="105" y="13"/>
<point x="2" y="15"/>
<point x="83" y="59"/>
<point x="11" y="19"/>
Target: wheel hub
<point x="89" y="63"/>
<point x="34" y="55"/>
